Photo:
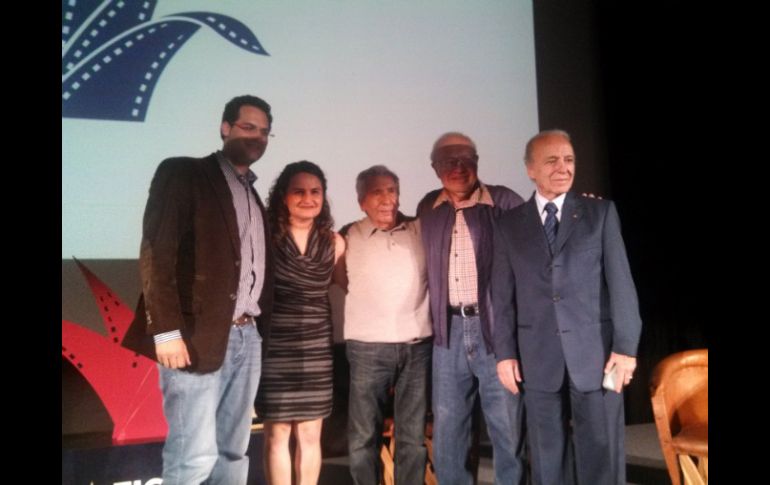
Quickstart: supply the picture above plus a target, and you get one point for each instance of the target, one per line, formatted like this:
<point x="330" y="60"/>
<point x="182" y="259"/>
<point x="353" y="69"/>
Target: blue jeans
<point x="374" y="369"/>
<point x="460" y="373"/>
<point x="209" y="415"/>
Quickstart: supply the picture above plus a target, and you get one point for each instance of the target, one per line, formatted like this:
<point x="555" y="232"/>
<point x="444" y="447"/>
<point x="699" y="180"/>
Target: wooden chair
<point x="679" y="389"/>
<point x="388" y="454"/>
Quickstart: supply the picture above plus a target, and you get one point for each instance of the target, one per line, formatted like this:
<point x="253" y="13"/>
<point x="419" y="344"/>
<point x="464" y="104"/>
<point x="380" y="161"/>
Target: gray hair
<point x="543" y="134"/>
<point x="374" y="171"/>
<point x="451" y="134"/>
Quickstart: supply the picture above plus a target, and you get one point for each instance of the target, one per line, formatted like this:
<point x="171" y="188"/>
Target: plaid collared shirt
<point x="463" y="277"/>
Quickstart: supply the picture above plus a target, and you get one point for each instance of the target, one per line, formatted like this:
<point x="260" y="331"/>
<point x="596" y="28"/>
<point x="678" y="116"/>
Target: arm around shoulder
<point x="426" y="203"/>
<point x="339" y="246"/>
<point x="504" y="197"/>
<point x="340" y="274"/>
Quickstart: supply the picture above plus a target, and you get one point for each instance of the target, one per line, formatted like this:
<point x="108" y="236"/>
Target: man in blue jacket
<point x="457" y="230"/>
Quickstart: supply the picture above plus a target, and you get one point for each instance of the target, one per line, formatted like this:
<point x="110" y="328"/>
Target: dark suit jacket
<point x="190" y="263"/>
<point x="572" y="308"/>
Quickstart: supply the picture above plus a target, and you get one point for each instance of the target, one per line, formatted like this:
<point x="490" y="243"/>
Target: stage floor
<point x="644" y="461"/>
<point x="93" y="460"/>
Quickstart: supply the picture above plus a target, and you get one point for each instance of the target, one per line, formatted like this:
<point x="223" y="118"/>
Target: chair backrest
<point x="679" y="390"/>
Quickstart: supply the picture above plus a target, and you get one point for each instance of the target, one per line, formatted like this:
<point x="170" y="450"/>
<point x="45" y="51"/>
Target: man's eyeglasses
<point x="449" y="164"/>
<point x="253" y="129"/>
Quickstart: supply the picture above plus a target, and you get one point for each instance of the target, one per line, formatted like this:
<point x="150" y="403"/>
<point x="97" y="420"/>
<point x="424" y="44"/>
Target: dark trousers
<point x="597" y="436"/>
<point x="375" y="368"/>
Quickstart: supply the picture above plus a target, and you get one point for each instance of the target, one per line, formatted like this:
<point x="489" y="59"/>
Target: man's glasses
<point x="449" y="164"/>
<point x="254" y="129"/>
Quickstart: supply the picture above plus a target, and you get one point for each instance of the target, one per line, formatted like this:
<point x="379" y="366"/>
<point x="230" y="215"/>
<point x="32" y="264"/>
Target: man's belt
<point x="243" y="320"/>
<point x="465" y="310"/>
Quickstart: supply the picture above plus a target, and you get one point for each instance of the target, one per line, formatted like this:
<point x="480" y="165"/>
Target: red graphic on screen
<point x="126" y="382"/>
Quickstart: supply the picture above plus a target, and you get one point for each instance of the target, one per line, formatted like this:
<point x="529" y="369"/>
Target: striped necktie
<point x="551" y="225"/>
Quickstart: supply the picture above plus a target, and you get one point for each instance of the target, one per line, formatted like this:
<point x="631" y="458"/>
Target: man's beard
<point x="244" y="151"/>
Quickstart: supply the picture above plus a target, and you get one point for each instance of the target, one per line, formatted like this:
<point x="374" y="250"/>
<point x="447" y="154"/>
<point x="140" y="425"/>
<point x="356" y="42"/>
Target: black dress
<point x="296" y="382"/>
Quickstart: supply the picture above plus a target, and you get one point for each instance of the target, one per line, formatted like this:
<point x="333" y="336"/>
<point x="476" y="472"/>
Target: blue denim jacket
<point x="437" y="224"/>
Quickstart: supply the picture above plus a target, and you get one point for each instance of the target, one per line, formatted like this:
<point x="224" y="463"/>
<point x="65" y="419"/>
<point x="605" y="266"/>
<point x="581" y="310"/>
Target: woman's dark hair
<point x="278" y="213"/>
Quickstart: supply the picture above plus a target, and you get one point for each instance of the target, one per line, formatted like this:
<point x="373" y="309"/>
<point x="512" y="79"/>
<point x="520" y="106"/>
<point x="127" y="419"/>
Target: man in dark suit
<point x="206" y="298"/>
<point x="566" y="314"/>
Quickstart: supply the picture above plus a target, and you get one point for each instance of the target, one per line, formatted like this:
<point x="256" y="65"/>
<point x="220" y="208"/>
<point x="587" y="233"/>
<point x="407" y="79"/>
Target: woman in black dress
<point x="295" y="391"/>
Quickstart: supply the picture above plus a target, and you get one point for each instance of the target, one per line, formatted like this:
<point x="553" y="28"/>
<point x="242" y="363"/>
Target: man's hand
<point x="508" y="373"/>
<point x="173" y="354"/>
<point x="625" y="369"/>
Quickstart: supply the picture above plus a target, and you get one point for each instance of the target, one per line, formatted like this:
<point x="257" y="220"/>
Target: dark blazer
<point x="190" y="263"/>
<point x="572" y="308"/>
